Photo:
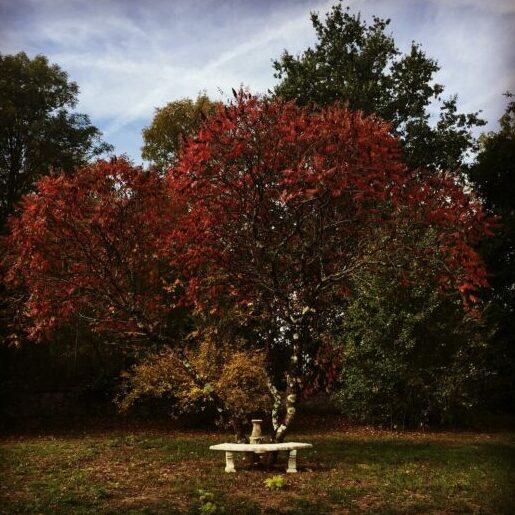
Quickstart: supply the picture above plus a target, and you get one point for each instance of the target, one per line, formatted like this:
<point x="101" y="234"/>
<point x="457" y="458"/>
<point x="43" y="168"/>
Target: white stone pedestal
<point x="229" y="462"/>
<point x="292" y="462"/>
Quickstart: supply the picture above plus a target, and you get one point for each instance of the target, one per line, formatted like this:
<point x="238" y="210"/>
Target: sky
<point x="131" y="56"/>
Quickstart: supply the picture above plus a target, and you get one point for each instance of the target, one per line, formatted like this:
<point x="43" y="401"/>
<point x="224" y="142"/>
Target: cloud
<point x="472" y="41"/>
<point x="128" y="61"/>
<point x="129" y="57"/>
<point x="496" y="6"/>
<point x="227" y="70"/>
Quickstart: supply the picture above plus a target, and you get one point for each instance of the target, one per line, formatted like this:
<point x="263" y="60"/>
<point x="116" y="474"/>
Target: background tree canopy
<point x="493" y="177"/>
<point x="38" y="132"/>
<point x="170" y="126"/>
<point x="360" y="65"/>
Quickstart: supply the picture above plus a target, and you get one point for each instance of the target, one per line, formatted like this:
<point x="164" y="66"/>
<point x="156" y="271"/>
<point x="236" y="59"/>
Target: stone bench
<point x="260" y="448"/>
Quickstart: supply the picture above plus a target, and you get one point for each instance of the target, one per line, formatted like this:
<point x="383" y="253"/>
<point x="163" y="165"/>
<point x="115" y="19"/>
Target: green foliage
<point x="37" y="130"/>
<point x="275" y="482"/>
<point x="493" y="173"/>
<point x="411" y="356"/>
<point x="360" y="65"/>
<point x="170" y="126"/>
<point x="493" y="177"/>
<point x="207" y="504"/>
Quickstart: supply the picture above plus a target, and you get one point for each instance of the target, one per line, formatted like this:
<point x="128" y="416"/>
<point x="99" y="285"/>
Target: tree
<point x="271" y="214"/>
<point x="170" y="126"/>
<point x="226" y="362"/>
<point x="493" y="171"/>
<point x="493" y="177"/>
<point x="38" y="133"/>
<point x="285" y="208"/>
<point x="359" y="64"/>
<point x="89" y="247"/>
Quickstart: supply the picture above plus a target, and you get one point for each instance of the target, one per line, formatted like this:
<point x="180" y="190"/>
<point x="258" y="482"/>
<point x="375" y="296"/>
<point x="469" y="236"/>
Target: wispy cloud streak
<point x="130" y="57"/>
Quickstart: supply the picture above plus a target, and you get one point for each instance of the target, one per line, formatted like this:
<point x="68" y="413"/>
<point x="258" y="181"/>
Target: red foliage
<point x="285" y="206"/>
<point x="277" y="211"/>
<point x="90" y="244"/>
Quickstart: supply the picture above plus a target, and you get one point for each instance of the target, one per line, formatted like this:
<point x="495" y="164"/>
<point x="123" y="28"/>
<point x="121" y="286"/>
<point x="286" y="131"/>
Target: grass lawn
<point x="347" y="471"/>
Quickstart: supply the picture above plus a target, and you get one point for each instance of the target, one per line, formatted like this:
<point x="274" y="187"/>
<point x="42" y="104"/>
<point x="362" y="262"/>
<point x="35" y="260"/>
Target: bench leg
<point x="292" y="463"/>
<point x="229" y="462"/>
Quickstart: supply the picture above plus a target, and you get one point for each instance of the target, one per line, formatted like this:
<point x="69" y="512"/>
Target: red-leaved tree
<point x="93" y="246"/>
<point x="271" y="216"/>
<point x="285" y="207"/>
<point x="89" y="245"/>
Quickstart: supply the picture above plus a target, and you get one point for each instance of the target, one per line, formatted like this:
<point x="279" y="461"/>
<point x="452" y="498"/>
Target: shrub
<point x="412" y="357"/>
<point x="234" y="371"/>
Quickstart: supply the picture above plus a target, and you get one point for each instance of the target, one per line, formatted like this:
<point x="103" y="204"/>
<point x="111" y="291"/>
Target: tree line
<point x="326" y="235"/>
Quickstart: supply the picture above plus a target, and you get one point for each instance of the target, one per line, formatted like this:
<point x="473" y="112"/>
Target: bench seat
<point x="230" y="448"/>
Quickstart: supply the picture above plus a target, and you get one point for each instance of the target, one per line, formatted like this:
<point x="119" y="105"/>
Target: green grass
<point x="352" y="471"/>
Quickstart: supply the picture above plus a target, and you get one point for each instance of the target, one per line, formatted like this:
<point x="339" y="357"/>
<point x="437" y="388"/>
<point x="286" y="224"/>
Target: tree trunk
<point x="293" y="384"/>
<point x="276" y="407"/>
<point x="290" y="409"/>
